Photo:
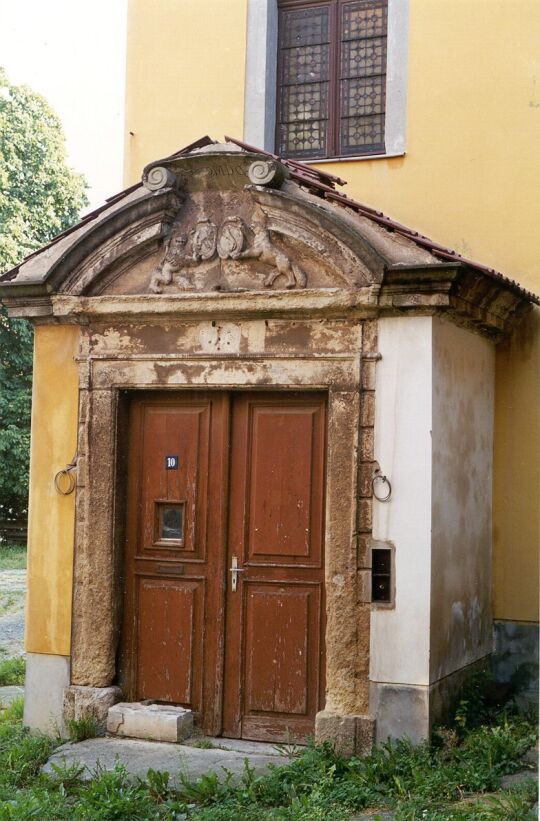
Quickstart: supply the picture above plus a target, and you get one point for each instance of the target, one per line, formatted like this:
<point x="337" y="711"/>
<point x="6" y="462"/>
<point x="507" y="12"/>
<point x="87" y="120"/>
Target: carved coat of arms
<point x="227" y="242"/>
<point x="204" y="239"/>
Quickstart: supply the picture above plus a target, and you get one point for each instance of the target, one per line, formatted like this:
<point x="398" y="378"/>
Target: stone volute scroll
<point x="267" y="173"/>
<point x="159" y="177"/>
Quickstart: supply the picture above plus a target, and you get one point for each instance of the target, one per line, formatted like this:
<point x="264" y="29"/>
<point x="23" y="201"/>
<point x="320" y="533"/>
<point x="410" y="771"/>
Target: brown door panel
<point x="249" y="663"/>
<point x="170" y="632"/>
<point x="284" y="453"/>
<point x="274" y="656"/>
<point x="175" y="551"/>
<point x="182" y="433"/>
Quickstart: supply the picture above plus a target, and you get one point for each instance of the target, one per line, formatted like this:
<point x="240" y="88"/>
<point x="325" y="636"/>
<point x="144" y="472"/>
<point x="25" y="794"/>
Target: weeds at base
<point x="12" y="671"/>
<point x="456" y="778"/>
<point x="82" y="728"/>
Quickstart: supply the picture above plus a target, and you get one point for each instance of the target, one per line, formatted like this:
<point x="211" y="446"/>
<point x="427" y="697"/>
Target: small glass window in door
<point x="169" y="523"/>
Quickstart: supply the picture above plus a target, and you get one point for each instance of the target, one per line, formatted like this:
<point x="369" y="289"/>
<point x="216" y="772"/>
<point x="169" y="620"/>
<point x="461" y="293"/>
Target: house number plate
<point x="171" y="463"/>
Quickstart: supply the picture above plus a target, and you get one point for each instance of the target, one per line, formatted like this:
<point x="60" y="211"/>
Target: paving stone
<point x="9" y="694"/>
<point x="13" y="585"/>
<point x="513" y="780"/>
<point x="158" y="722"/>
<point x="12" y="634"/>
<point x="531" y="756"/>
<point x="140" y="756"/>
<point x="13" y="581"/>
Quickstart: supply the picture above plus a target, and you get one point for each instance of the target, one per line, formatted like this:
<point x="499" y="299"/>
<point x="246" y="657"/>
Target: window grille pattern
<point x="304" y="75"/>
<point x="332" y="78"/>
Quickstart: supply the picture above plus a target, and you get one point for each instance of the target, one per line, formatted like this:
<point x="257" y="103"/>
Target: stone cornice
<point x="449" y="290"/>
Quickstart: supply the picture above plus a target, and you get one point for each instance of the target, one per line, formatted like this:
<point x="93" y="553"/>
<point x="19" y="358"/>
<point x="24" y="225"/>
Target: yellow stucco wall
<point x="51" y="516"/>
<point x="470" y="180"/>
<point x="516" y="526"/>
<point x="185" y="75"/>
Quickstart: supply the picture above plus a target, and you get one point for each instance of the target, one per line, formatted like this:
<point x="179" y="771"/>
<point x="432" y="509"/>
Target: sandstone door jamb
<point x="96" y="600"/>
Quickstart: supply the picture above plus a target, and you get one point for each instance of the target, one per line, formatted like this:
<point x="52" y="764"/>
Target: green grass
<point x="456" y="778"/>
<point x="12" y="602"/>
<point x="81" y="728"/>
<point x="12" y="557"/>
<point x="12" y="671"/>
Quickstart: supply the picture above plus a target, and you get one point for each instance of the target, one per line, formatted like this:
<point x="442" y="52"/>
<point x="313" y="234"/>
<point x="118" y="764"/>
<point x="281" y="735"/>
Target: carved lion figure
<point x="175" y="258"/>
<point x="263" y="249"/>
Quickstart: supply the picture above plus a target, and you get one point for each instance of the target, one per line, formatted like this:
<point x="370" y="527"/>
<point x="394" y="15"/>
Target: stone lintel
<point x="494" y="313"/>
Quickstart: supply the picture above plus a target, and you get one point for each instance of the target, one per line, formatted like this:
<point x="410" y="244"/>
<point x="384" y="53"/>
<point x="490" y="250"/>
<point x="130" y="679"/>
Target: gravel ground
<point x="12" y="599"/>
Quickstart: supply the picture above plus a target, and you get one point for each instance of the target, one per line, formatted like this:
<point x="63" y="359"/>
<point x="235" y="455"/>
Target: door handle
<point x="235" y="570"/>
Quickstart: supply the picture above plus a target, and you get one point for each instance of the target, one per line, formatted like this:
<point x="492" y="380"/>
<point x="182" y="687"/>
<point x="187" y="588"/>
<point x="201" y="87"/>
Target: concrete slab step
<point x="151" y="721"/>
<point x="139" y="756"/>
<point x="237" y="745"/>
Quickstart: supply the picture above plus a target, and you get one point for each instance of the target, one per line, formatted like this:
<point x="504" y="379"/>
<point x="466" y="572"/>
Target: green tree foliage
<point x="40" y="196"/>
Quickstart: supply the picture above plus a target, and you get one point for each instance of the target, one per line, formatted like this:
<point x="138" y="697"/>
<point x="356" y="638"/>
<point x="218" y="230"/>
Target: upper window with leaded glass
<point x="331" y="78"/>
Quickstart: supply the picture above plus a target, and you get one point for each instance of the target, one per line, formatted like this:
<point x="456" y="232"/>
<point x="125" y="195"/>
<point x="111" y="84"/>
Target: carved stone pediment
<point x="230" y="241"/>
<point x="223" y="220"/>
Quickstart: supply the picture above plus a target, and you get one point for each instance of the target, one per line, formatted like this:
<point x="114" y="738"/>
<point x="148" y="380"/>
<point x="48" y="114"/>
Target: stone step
<point x="151" y="721"/>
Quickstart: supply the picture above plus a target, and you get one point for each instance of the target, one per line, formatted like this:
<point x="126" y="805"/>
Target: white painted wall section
<point x="463" y="397"/>
<point x="400" y="637"/>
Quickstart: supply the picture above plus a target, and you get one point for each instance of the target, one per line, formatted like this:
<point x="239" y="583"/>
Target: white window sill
<point x="362" y="157"/>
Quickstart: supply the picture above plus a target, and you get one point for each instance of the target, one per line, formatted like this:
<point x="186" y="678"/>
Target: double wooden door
<point x="224" y="564"/>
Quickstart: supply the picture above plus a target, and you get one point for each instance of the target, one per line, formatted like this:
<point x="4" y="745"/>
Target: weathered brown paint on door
<point x="256" y="669"/>
<point x="174" y="590"/>
<point x="274" y="649"/>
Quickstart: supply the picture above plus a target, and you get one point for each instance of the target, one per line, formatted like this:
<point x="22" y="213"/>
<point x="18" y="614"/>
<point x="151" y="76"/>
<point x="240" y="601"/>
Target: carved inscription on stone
<point x="228" y="241"/>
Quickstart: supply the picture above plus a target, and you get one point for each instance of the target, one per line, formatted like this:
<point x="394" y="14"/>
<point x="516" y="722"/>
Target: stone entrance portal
<point x="255" y="356"/>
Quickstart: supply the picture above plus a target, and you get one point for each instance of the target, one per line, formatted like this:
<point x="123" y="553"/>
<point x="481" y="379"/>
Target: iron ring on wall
<point x="379" y="477"/>
<point x="71" y="478"/>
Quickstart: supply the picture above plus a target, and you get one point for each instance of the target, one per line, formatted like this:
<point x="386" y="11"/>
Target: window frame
<point x="333" y="133"/>
<point x="260" y="107"/>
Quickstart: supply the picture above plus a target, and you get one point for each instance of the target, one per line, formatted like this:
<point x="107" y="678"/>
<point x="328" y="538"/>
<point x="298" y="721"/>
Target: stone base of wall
<point x="46" y="677"/>
<point x="350" y="735"/>
<point x="411" y="711"/>
<point x="515" y="660"/>
<point x="82" y="703"/>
